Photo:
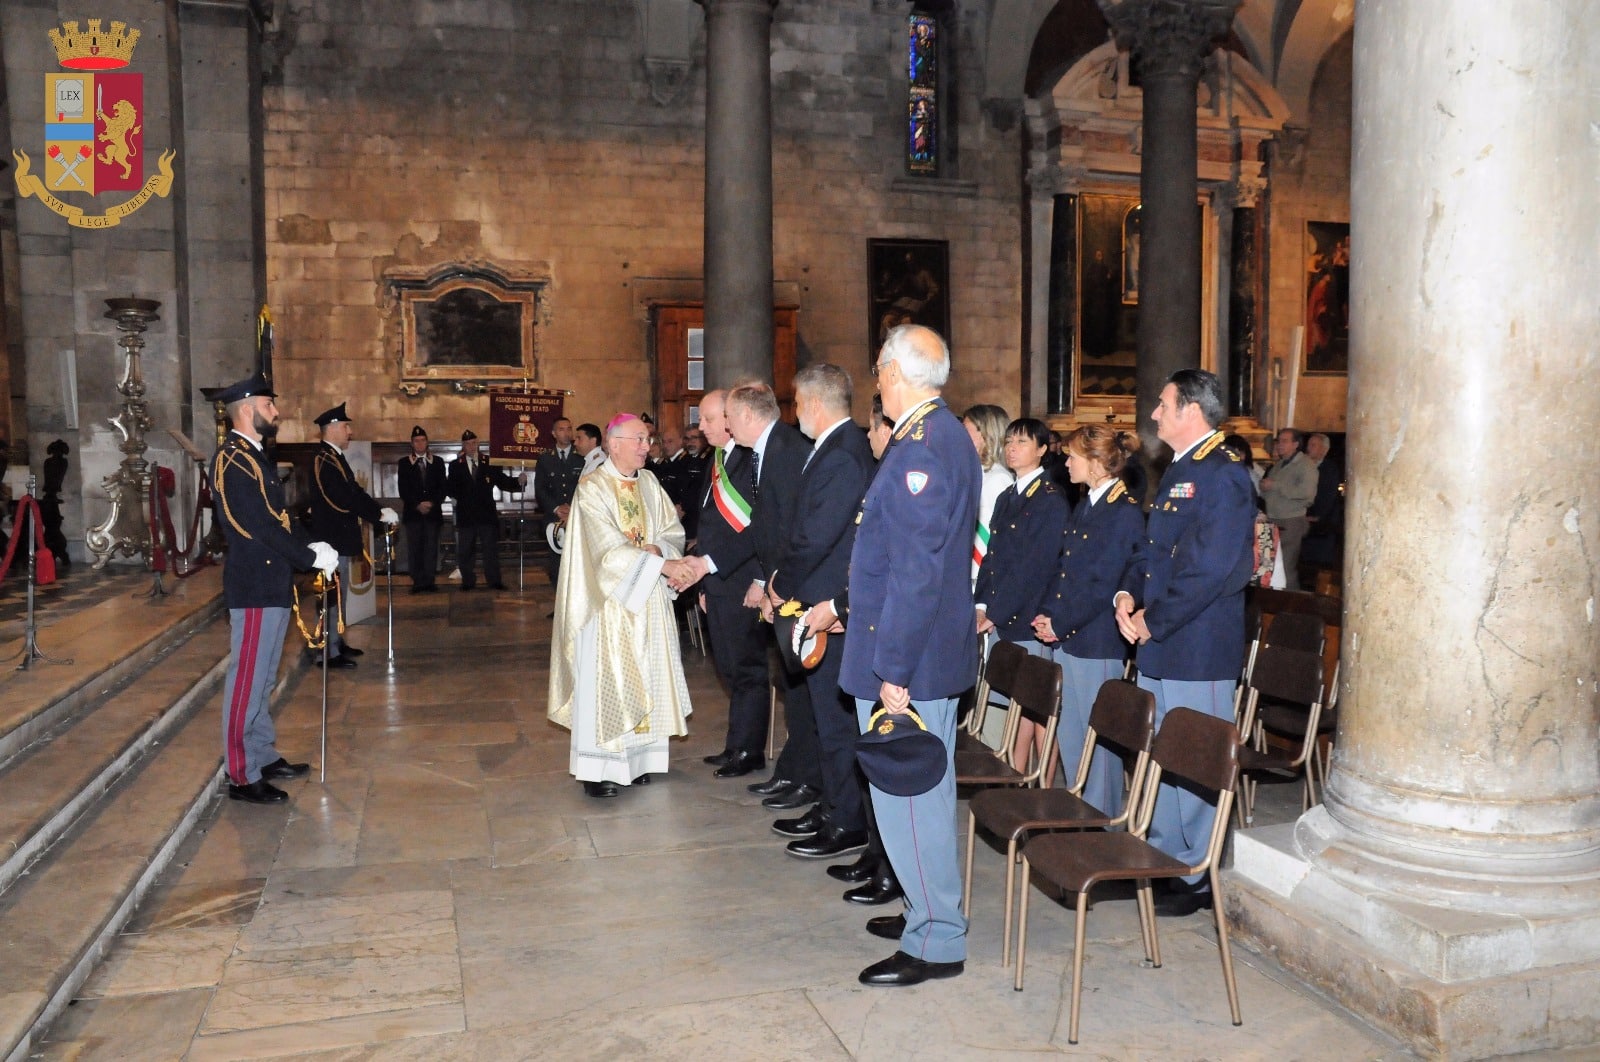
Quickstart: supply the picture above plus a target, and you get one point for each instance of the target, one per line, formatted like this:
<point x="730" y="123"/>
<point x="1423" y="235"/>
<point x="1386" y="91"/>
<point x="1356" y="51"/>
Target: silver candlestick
<point x="127" y="529"/>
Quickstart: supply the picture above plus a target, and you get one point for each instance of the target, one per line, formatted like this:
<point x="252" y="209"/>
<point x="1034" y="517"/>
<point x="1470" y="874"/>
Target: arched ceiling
<point x="1032" y="42"/>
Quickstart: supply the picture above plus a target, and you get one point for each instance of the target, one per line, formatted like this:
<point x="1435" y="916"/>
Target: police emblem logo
<point x="916" y="482"/>
<point x="94" y="128"/>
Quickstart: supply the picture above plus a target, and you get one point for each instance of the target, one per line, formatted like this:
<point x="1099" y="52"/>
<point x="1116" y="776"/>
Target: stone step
<point x="92" y="652"/>
<point x="109" y="760"/>
<point x="57" y="921"/>
<point x="47" y="786"/>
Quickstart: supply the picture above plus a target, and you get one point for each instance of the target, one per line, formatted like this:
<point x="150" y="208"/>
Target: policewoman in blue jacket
<point x="1077" y="618"/>
<point x="1024" y="541"/>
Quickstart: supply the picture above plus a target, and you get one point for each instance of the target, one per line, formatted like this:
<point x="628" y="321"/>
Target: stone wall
<point x="411" y="134"/>
<point x="1310" y="182"/>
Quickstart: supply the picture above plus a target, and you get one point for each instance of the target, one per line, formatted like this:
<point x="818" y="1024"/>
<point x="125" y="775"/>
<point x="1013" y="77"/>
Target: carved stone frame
<point x="407" y="286"/>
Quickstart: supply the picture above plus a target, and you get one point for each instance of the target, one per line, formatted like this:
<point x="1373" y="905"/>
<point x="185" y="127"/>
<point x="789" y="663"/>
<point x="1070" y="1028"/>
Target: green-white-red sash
<point x="730" y="503"/>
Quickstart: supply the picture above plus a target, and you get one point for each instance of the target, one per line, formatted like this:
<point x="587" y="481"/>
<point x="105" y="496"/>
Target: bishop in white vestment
<point x="616" y="677"/>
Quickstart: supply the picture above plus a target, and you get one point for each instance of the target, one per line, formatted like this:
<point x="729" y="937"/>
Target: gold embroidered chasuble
<point x="610" y="581"/>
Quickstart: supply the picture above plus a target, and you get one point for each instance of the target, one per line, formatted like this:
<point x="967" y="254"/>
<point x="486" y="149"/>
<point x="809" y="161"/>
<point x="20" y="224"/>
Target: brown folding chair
<point x="999" y="677"/>
<point x="1199" y="749"/>
<point x="1123" y="716"/>
<point x="1284" y="698"/>
<point x="1036" y="696"/>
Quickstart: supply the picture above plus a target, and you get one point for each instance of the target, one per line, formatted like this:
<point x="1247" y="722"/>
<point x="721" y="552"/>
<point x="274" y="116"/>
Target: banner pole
<point x="322" y="607"/>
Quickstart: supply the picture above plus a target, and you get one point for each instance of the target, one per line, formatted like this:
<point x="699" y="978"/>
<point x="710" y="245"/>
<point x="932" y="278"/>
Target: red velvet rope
<point x="167" y="550"/>
<point x="26" y="506"/>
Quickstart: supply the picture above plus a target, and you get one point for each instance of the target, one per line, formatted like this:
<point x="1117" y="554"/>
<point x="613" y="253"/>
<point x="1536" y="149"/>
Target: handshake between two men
<point x="683" y="574"/>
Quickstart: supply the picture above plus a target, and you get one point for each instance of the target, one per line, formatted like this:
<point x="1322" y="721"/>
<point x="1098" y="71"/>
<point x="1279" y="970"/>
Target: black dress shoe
<point x="497" y="586"/>
<point x="876" y="891"/>
<point x="770" y="787"/>
<point x="863" y="869"/>
<point x="720" y="758"/>
<point x="889" y="927"/>
<point x="643" y="779"/>
<point x="741" y="764"/>
<point x="350" y="650"/>
<point x="600" y="790"/>
<point x="257" y="792"/>
<point x="1181" y="900"/>
<point x="901" y="969"/>
<point x="794" y="797"/>
<point x="806" y="825"/>
<point x="282" y="768"/>
<point x="336" y="663"/>
<point x="828" y="843"/>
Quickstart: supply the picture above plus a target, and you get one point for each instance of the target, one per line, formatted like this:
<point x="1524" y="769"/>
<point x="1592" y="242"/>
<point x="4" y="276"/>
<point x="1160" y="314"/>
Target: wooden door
<point x="679" y="336"/>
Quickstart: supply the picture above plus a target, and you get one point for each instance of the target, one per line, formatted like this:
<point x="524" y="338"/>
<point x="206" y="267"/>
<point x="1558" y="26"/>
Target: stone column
<point x="1449" y="889"/>
<point x="1244" y="290"/>
<point x="738" y="220"/>
<point x="1169" y="43"/>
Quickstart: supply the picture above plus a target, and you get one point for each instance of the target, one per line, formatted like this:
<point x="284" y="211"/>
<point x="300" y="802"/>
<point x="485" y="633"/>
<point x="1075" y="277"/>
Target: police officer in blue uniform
<point x="1182" y="597"/>
<point x="912" y="645"/>
<point x="338" y="505"/>
<point x="257" y="586"/>
<point x="555" y="478"/>
<point x="421" y="481"/>
<point x="1077" y="620"/>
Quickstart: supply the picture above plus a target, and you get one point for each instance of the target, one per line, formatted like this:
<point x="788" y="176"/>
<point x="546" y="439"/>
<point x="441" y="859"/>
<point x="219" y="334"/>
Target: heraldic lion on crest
<point x="119" y="127"/>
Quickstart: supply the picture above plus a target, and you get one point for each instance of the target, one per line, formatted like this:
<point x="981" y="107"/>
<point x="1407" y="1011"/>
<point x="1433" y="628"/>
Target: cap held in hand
<point x="899" y="755"/>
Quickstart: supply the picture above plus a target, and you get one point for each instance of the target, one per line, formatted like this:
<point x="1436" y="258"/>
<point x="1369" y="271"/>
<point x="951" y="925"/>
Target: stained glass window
<point x="922" y="104"/>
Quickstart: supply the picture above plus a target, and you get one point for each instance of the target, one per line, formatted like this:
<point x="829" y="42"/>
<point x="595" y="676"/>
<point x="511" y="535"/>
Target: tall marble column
<point x="1450" y="887"/>
<point x="738" y="219"/>
<point x="1169" y="42"/>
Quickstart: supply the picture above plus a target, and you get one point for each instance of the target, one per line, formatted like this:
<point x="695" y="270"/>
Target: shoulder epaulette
<point x="1118" y="489"/>
<point x="1210" y="445"/>
<point x="1048" y="487"/>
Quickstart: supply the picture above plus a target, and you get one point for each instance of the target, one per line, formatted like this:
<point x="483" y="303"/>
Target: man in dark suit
<point x="912" y="643"/>
<point x="471" y="483"/>
<point x="1182" y="598"/>
<point x="723" y="566"/>
<point x="422" y="510"/>
<point x="258" y="588"/>
<point x="777" y="454"/>
<point x="555" y="477"/>
<point x="815" y="566"/>
<point x="338" y="505"/>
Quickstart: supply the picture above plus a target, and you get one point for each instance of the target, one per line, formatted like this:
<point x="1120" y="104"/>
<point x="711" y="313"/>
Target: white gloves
<point x="389" y="516"/>
<point x="327" y="561"/>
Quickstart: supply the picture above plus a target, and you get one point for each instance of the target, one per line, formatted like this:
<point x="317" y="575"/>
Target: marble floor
<point x="449" y="893"/>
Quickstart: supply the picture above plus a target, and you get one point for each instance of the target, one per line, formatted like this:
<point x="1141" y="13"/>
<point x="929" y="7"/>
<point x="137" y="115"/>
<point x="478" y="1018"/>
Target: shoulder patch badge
<point x="916" y="481"/>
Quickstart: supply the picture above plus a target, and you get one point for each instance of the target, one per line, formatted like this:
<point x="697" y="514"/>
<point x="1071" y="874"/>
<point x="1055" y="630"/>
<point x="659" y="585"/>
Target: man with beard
<point x="258" y="587"/>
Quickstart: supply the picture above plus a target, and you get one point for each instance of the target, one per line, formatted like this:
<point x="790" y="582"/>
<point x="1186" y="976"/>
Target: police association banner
<point x="521" y="422"/>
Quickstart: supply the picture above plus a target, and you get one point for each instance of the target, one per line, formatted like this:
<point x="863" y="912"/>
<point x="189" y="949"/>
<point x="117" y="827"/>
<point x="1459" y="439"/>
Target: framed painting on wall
<point x="908" y="282"/>
<point x="466" y="321"/>
<point x="1327" y="346"/>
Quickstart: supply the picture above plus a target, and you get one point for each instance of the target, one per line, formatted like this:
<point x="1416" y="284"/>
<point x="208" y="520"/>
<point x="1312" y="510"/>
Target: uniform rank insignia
<point x="1181" y="490"/>
<point x="915" y="481"/>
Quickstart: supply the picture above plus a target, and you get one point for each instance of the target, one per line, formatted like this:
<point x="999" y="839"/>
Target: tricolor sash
<point x="730" y="503"/>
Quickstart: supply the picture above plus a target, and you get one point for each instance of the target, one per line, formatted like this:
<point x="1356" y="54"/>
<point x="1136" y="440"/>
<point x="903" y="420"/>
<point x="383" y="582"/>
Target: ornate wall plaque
<point x="466" y="321"/>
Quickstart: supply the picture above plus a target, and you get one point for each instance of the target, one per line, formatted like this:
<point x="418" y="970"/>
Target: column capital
<point x="1169" y="37"/>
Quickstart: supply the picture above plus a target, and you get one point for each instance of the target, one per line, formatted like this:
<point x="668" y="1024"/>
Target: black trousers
<point x="739" y="649"/>
<point x="833" y="716"/>
<point x="422" y="551"/>
<point x="468" y="542"/>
